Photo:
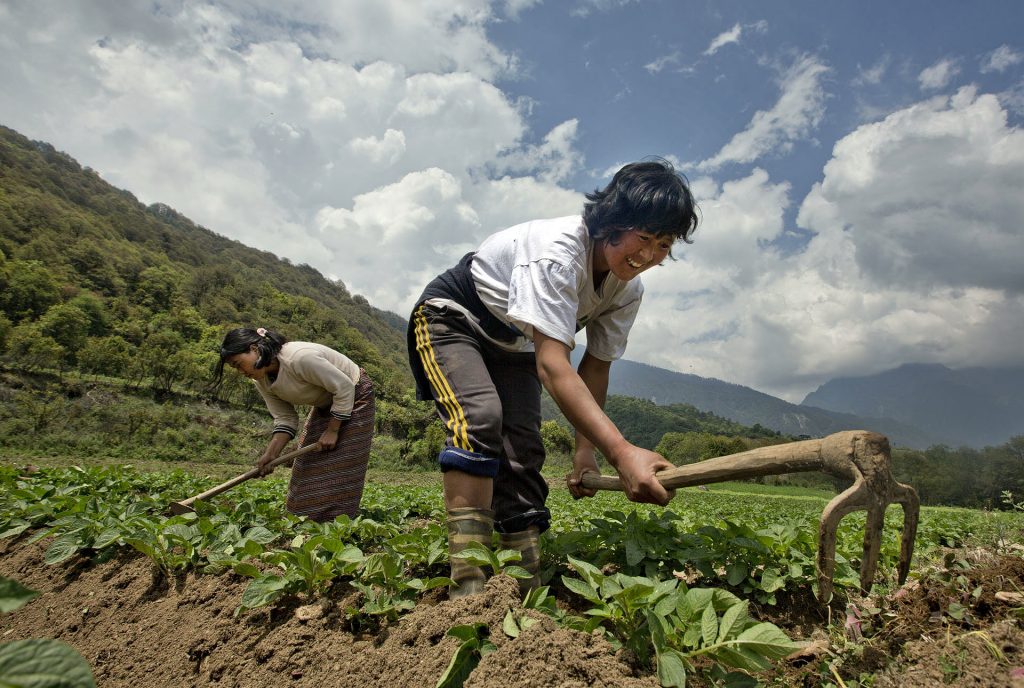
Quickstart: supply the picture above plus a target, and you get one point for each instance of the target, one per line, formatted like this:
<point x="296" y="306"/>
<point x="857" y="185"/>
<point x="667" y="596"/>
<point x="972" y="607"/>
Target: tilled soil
<point x="136" y="630"/>
<point x="984" y="648"/>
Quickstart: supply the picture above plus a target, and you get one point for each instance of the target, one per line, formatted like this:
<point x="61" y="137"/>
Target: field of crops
<point x="718" y="589"/>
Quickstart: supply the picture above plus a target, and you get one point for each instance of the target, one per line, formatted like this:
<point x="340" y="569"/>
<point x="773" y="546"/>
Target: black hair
<point x="241" y="339"/>
<point x="650" y="196"/>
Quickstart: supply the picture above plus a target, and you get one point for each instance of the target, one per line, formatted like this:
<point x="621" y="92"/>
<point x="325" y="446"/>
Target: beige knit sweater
<point x="309" y="375"/>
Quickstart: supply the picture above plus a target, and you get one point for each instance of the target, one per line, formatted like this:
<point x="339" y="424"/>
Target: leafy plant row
<point x="624" y="569"/>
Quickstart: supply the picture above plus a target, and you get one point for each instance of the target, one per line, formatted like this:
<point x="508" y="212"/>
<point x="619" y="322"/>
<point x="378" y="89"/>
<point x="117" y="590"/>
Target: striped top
<point x="309" y="374"/>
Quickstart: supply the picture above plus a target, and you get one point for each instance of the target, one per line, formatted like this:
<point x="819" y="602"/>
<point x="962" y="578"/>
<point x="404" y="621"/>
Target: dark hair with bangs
<point x="650" y="196"/>
<point x="239" y="340"/>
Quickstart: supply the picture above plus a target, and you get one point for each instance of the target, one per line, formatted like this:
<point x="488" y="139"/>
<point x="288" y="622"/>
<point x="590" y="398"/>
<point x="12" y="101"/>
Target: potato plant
<point x="615" y="560"/>
<point x="663" y="623"/>
<point x="308" y="567"/>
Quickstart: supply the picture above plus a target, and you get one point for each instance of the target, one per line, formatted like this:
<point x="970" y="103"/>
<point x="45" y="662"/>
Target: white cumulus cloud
<point x="388" y="148"/>
<point x="1001" y="59"/>
<point x="926" y="196"/>
<point x="938" y="75"/>
<point x="796" y="113"/>
<point x="552" y="160"/>
<point x="920" y="238"/>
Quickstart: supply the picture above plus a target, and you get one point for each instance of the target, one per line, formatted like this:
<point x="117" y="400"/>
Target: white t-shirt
<point x="539" y="275"/>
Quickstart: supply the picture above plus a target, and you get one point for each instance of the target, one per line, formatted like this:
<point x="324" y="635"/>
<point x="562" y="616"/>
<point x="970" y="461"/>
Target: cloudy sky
<point x="859" y="166"/>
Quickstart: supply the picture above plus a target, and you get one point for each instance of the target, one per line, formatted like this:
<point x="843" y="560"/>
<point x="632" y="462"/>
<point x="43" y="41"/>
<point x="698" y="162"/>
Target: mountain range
<point x="969" y="406"/>
<point x="749" y="406"/>
<point x="916" y="406"/>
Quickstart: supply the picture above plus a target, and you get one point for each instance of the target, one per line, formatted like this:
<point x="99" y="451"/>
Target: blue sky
<point x="858" y="165"/>
<point x="682" y="78"/>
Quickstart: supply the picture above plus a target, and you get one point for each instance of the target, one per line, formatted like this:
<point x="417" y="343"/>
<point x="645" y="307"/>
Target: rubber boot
<point x="527" y="543"/>
<point x="466" y="525"/>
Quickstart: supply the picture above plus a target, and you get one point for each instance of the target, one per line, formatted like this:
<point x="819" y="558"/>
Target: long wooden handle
<point x="248" y="475"/>
<point x="670" y="479"/>
<point x="596" y="481"/>
<point x="794" y="457"/>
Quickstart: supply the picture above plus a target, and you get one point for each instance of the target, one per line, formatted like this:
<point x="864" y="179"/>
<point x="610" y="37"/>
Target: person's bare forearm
<point x="594" y="373"/>
<point x="637" y="467"/>
<point x="277" y="444"/>
<point x="582" y="411"/>
<point x="577" y="402"/>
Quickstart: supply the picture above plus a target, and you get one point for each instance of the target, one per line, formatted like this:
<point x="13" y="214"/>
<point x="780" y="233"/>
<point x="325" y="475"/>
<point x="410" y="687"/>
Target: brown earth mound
<point x="135" y="630"/>
<point x="983" y="647"/>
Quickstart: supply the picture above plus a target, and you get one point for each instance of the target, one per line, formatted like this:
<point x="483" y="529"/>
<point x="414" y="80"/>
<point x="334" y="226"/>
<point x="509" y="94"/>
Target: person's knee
<point x="478" y="433"/>
<point x="487" y="420"/>
<point x="453" y="458"/>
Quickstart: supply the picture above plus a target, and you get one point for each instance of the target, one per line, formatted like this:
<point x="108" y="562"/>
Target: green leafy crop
<point x="662" y="623"/>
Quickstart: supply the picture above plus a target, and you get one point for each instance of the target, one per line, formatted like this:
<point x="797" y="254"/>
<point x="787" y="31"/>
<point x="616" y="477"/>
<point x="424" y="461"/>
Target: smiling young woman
<point x="486" y="335"/>
<point x="636" y="250"/>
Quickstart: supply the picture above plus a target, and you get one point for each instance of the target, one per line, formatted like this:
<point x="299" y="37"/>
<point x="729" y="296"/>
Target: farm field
<point x="717" y="589"/>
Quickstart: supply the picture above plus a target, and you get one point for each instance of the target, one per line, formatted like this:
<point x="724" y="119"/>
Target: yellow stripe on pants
<point x="456" y="417"/>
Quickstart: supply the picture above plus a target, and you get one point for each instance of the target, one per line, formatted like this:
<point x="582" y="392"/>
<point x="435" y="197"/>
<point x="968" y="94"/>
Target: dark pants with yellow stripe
<point x="489" y="402"/>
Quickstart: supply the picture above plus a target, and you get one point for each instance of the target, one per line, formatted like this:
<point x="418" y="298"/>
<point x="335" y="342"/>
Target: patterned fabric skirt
<point x="326" y="484"/>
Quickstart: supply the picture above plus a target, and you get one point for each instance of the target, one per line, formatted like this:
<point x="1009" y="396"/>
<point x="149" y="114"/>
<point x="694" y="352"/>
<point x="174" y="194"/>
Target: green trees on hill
<point x="29" y="288"/>
<point x="91" y="280"/>
<point x="645" y="423"/>
<point x="964" y="476"/>
<point x="689" y="447"/>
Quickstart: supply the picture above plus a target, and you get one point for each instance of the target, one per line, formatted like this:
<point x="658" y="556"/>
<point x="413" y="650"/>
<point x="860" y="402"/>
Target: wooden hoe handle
<point x="858" y="456"/>
<point x="185" y="505"/>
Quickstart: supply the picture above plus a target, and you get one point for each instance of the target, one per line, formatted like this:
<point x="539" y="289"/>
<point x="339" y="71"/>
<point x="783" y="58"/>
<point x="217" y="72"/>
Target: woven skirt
<point x="326" y="484"/>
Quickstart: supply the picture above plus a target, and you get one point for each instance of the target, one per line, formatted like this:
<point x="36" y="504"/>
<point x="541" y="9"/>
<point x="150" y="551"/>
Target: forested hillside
<point x="92" y="279"/>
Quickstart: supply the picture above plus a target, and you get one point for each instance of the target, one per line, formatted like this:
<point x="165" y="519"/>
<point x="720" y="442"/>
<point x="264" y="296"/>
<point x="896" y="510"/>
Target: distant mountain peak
<point x="749" y="406"/>
<point x="969" y="406"/>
